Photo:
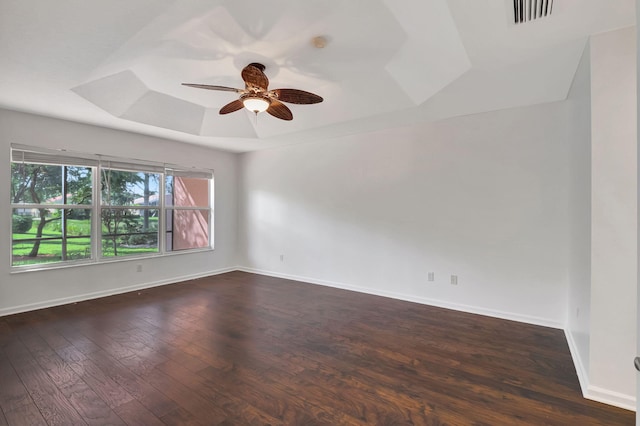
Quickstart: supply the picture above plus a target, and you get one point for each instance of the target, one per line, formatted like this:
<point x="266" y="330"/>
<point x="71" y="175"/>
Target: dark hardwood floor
<point x="243" y="349"/>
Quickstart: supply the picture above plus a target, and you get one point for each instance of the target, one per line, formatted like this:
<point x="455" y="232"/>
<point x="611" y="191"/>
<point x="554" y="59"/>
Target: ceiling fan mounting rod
<point x="258" y="65"/>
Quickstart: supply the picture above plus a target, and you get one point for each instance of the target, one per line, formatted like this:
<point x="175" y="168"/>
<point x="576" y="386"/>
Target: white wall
<point x="29" y="290"/>
<point x="579" y="301"/>
<point x="614" y="216"/>
<point x="481" y="196"/>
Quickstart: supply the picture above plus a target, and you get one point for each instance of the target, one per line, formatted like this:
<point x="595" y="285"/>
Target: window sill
<point x="103" y="261"/>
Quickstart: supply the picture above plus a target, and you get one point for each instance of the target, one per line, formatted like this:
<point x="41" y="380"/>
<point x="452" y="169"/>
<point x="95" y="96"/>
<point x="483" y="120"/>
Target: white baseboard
<point x="595" y="393"/>
<point x="410" y="298"/>
<point x="581" y="371"/>
<point x="110" y="292"/>
<point x="609" y="397"/>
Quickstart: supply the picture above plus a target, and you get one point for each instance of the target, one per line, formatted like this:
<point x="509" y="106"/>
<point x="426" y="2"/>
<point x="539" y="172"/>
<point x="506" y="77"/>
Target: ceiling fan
<point x="256" y="97"/>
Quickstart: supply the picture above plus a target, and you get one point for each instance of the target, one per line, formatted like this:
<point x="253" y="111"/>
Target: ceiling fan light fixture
<point x="256" y="104"/>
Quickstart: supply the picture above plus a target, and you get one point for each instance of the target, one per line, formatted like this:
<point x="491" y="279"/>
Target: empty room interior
<point x="319" y="212"/>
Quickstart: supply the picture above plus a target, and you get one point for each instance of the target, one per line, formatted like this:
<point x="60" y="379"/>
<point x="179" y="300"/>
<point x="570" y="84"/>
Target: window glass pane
<point x="127" y="232"/>
<point x="187" y="229"/>
<point x="123" y="188"/>
<point x="79" y="185"/>
<point x="45" y="235"/>
<point x="186" y="192"/>
<point x="41" y="184"/>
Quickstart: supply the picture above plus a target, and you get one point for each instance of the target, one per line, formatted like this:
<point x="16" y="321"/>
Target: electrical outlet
<point x="282" y="258"/>
<point x="431" y="276"/>
<point x="139" y="267"/>
<point x="454" y="280"/>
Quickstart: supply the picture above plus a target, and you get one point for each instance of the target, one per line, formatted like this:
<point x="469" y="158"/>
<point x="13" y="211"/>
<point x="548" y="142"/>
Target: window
<point x="129" y="219"/>
<point x="187" y="210"/>
<point x="79" y="208"/>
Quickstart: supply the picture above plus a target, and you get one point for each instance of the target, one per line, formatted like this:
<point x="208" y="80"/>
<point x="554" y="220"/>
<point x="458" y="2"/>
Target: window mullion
<point x="51" y="206"/>
<point x="162" y="225"/>
<point x="187" y="208"/>
<point x="210" y="188"/>
<point x="96" y="231"/>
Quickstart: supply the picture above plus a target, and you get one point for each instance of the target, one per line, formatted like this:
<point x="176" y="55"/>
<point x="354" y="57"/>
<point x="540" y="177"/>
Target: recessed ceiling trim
<point x="529" y="10"/>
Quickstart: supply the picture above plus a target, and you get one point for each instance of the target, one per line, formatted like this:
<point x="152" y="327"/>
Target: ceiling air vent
<point x="528" y="10"/>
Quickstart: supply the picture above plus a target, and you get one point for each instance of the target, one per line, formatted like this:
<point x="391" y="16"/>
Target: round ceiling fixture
<point x="255" y="104"/>
<point x="319" y="42"/>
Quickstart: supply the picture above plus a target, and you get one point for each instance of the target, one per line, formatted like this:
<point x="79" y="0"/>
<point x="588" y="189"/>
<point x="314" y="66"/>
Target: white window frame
<point x="97" y="163"/>
<point x="189" y="173"/>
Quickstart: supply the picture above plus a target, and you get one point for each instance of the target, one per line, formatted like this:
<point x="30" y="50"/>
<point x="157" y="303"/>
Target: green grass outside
<point x="77" y="248"/>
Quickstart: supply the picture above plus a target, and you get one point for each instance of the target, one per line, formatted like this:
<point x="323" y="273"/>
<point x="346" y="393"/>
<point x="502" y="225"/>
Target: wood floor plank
<point x="98" y="336"/>
<point x="239" y="348"/>
<point x="183" y="417"/>
<point x="280" y="396"/>
<point x="53" y="405"/>
<point x="13" y="394"/>
<point x="51" y="336"/>
<point x="192" y="401"/>
<point x="77" y="339"/>
<point x="235" y="407"/>
<point x="150" y="397"/>
<point x="25" y="415"/>
<point x="313" y="391"/>
<point x="92" y="374"/>
<point x="134" y="413"/>
<point x="82" y="397"/>
<point x="5" y="332"/>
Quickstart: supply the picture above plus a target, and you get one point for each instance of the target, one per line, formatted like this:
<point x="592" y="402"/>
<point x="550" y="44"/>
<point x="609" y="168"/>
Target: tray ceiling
<point x="386" y="63"/>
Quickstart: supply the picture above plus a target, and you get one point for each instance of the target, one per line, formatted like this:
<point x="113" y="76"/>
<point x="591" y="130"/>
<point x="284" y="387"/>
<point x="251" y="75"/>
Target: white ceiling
<point x="119" y="63"/>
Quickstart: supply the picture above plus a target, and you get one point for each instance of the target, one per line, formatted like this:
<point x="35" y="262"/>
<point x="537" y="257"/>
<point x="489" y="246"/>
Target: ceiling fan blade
<point x="254" y="77"/>
<point x="232" y="107"/>
<point x="279" y="110"/>
<point x="295" y="96"/>
<point x="210" y="87"/>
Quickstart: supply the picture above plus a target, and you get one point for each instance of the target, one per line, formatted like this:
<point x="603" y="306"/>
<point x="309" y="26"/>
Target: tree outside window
<point x="56" y="201"/>
<point x="129" y="212"/>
